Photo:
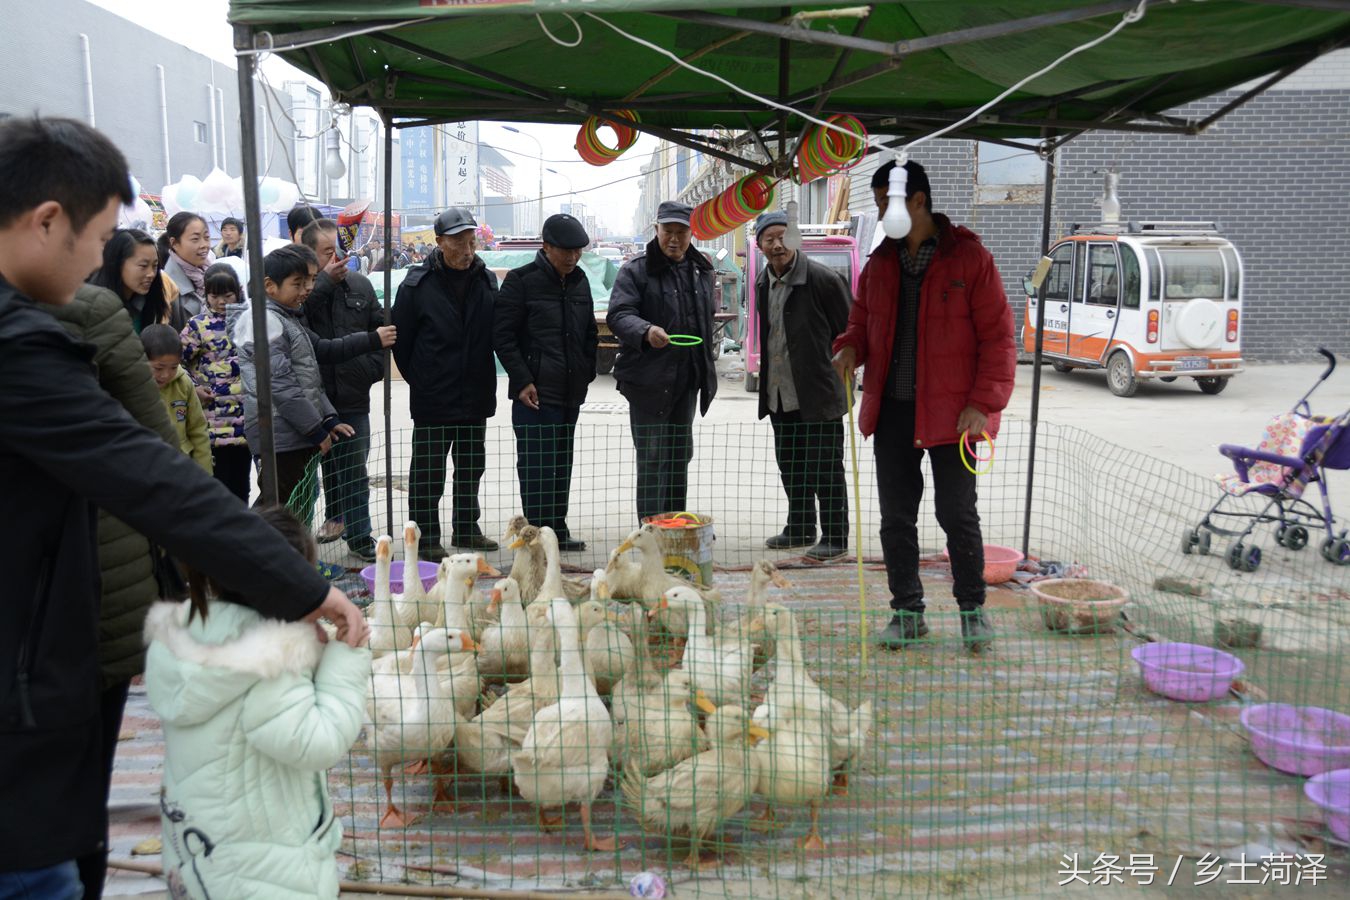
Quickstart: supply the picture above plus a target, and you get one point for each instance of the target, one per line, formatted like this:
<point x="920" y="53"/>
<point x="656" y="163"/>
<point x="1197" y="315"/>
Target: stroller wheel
<point x="1203" y="546"/>
<point x="1295" y="537"/>
<point x="1190" y="539"/>
<point x="1244" y="559"/>
<point x="1337" y="551"/>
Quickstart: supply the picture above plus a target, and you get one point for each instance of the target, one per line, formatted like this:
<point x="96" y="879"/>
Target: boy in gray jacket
<point x="305" y="423"/>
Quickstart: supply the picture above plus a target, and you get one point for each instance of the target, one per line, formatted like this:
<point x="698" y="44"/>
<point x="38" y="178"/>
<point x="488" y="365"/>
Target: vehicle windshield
<point x="839" y="260"/>
<point x="1192" y="272"/>
<point x="610" y="252"/>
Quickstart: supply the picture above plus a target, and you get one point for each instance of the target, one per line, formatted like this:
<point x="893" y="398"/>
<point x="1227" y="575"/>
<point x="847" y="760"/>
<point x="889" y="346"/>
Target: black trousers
<point x="900" y="488"/>
<point x="811" y="466"/>
<point x="664" y="445"/>
<point x="292" y="468"/>
<point x="466" y="445"/>
<point x="94" y="866"/>
<point x="544" y="440"/>
<point x="233" y="467"/>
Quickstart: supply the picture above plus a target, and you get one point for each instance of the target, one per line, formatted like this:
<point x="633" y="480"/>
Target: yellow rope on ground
<point x="857" y="525"/>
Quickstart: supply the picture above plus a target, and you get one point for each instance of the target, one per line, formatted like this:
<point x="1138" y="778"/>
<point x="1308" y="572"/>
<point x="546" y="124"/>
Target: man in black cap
<point x="803" y="308"/>
<point x="443" y="312"/>
<point x="667" y="289"/>
<point x="546" y="338"/>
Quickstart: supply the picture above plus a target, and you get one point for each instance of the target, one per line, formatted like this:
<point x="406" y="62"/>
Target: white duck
<point x="387" y="633"/>
<point x="486" y="743"/>
<point x="655" y="581"/>
<point x="794" y="770"/>
<point x="565" y="755"/>
<point x="505" y="646"/>
<point x="700" y="793"/>
<point x="414" y="592"/>
<point x="409" y="719"/>
<point x="762" y="574"/>
<point x="719" y="666"/>
<point x="540" y="573"/>
<point x="658" y="729"/>
<point x="623" y="575"/>
<point x="795" y="694"/>
<point x="644" y="676"/>
<point x="609" y="652"/>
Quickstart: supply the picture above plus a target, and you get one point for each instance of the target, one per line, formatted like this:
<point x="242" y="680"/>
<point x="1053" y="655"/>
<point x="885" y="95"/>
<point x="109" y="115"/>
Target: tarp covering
<point x="600" y="272"/>
<point x="493" y="60"/>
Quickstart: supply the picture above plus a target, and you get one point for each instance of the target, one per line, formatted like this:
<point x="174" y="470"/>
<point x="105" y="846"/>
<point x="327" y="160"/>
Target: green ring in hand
<point x="685" y="340"/>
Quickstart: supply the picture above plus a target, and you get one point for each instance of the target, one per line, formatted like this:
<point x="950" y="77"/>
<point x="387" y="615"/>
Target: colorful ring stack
<point x="824" y="151"/>
<point x="589" y="146"/>
<point x="735" y="206"/>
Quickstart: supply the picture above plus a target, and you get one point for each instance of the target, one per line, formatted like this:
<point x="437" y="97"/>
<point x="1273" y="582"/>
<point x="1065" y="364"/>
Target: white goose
<point x="387" y="633"/>
<point x="654" y="581"/>
<point x="505" y="651"/>
<point x="486" y="742"/>
<point x="409" y="719"/>
<point x="565" y="755"/>
<point x="609" y="652"/>
<point x="762" y="574"/>
<point x="719" y="666"/>
<point x="413" y="590"/>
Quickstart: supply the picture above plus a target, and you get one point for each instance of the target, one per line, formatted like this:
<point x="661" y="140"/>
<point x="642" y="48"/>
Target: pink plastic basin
<point x="1186" y="671"/>
<point x="1302" y="740"/>
<point x="426" y="569"/>
<point x="999" y="562"/>
<point x="1331" y="791"/>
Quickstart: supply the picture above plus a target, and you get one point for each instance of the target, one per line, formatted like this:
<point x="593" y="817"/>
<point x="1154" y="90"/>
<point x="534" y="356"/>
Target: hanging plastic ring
<point x="966" y="457"/>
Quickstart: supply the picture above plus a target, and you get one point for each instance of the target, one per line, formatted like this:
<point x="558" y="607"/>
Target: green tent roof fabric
<point x="493" y="60"/>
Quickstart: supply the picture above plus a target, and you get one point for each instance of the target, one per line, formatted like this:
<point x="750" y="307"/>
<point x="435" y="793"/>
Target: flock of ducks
<point x="545" y="685"/>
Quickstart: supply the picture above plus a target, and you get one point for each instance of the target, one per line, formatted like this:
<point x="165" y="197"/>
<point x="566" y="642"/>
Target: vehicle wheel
<point x="1234" y="557"/>
<point x="1062" y="368"/>
<point x="1244" y="559"/>
<point x="1280" y="534"/>
<point x="604" y="360"/>
<point x="1168" y="379"/>
<point x="752" y="382"/>
<point x="1120" y="375"/>
<point x="1190" y="541"/>
<point x="1296" y="538"/>
<point x="1326" y="548"/>
<point x="1204" y="546"/>
<point x="1212" y="385"/>
<point x="1340" y="552"/>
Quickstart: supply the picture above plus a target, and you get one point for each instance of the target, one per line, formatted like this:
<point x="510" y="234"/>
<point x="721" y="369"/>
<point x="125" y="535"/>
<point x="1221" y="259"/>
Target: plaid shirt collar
<point x="917" y="265"/>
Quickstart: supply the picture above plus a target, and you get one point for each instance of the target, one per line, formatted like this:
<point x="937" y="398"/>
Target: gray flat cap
<point x="565" y="232"/>
<point x="769" y="219"/>
<point x="672" y="213"/>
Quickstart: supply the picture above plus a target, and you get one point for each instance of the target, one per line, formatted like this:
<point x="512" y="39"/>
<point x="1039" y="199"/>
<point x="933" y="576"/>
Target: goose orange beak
<point x="625" y="546"/>
<point x="485" y="569"/>
<point x="756" y="734"/>
<point x="470" y="646"/>
<point x="494" y="600"/>
<point x="417" y="639"/>
<point x="702" y="702"/>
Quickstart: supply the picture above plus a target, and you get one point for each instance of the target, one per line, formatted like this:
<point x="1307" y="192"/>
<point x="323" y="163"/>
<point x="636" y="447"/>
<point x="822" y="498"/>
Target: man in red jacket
<point x="934" y="329"/>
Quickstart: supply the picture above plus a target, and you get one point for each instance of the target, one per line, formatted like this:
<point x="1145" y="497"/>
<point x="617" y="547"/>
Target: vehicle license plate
<point x="1188" y="363"/>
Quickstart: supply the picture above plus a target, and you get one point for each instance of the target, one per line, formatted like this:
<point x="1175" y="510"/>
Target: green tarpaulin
<point x="911" y="67"/>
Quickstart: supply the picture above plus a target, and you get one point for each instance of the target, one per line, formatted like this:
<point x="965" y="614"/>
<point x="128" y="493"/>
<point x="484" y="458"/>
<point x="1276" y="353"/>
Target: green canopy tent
<point x="904" y="69"/>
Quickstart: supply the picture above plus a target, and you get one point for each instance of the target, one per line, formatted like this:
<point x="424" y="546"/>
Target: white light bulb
<point x="792" y="238"/>
<point x="896" y="222"/>
<point x="333" y="166"/>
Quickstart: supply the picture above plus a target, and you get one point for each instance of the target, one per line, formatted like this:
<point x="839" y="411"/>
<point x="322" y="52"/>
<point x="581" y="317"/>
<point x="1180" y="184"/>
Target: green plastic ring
<point x="685" y="340"/>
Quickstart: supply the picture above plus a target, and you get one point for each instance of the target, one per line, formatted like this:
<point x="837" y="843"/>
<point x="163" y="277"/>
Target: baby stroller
<point x="1297" y="450"/>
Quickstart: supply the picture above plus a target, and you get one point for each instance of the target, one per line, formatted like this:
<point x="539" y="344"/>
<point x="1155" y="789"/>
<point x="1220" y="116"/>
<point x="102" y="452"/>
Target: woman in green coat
<point x="98" y="317"/>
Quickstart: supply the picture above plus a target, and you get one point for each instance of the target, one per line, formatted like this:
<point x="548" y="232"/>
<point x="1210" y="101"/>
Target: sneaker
<point x="905" y="628"/>
<point x="362" y="550"/>
<point x="827" y="550"/>
<point x="480" y="542"/>
<point x="571" y="545"/>
<point x="976" y="630"/>
<point x="431" y="551"/>
<point x="786" y="540"/>
<point x="329" y="531"/>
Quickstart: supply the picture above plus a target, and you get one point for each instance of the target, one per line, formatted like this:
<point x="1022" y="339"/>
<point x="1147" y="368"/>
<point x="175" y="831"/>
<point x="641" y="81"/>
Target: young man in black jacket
<point x="443" y="312"/>
<point x="666" y="290"/>
<point x="546" y="338"/>
<point x="803" y="306"/>
<point x="343" y="302"/>
<point x="67" y="447"/>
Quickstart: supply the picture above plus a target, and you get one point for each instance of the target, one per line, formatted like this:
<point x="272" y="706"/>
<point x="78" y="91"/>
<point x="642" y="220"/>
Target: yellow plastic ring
<point x="965" y="458"/>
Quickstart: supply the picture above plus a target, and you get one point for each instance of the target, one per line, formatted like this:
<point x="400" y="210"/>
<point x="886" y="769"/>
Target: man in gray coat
<point x="667" y="290"/>
<point x="803" y="308"/>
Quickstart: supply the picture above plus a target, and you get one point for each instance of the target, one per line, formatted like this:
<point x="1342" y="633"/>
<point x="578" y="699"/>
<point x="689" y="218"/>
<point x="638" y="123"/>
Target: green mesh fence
<point x="1042" y="764"/>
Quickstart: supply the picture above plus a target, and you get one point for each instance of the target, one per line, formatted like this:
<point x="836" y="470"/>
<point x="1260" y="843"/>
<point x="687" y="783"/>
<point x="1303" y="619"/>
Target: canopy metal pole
<point x="262" y="362"/>
<point x="1046" y="209"/>
<point x="388" y="320"/>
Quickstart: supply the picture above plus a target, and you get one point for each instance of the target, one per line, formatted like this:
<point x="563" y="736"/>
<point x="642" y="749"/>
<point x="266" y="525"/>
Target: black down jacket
<point x="545" y="333"/>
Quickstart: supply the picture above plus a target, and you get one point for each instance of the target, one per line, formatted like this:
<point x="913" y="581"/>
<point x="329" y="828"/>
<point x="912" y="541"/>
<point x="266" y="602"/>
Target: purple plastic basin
<point x="1302" y="740"/>
<point x="1186" y="671"/>
<point x="427" y="570"/>
<point x="1331" y="791"/>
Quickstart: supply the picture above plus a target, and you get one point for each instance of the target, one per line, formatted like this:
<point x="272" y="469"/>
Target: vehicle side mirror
<point x="1028" y="286"/>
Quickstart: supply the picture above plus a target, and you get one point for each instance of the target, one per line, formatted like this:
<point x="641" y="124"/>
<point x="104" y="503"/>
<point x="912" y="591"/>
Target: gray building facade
<point x="1275" y="175"/>
<point x="172" y="111"/>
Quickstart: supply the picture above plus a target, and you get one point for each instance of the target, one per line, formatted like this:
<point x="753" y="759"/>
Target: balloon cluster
<point x="824" y="151"/>
<point x="218" y="193"/>
<point x="735" y="206"/>
<point x="589" y="146"/>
